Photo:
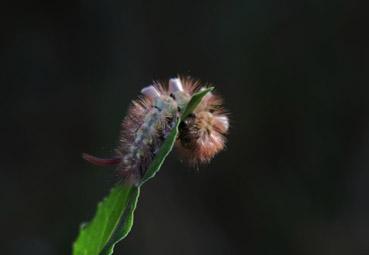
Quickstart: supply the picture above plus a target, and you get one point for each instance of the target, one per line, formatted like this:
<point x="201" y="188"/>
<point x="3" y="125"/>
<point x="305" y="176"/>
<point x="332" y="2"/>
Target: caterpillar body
<point x="151" y="117"/>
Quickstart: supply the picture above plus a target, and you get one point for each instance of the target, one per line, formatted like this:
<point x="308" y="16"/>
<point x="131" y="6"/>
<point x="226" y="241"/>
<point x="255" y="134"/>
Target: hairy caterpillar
<point x="150" y="119"/>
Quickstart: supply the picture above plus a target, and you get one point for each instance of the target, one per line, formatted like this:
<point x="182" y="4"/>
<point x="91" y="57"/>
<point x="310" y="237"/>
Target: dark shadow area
<point x="294" y="74"/>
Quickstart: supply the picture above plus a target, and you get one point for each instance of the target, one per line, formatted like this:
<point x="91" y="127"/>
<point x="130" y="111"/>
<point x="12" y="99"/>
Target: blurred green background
<point x="294" y="74"/>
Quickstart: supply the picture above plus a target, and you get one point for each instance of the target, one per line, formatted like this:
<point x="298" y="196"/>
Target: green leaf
<point x="94" y="236"/>
<point x="114" y="216"/>
<point x="126" y="222"/>
<point x="194" y="102"/>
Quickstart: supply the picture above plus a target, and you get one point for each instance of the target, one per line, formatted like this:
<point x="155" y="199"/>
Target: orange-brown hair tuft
<point x="202" y="134"/>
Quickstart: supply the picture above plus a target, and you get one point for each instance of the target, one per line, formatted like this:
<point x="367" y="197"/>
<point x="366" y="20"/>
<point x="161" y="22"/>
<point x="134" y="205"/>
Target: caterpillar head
<point x="202" y="134"/>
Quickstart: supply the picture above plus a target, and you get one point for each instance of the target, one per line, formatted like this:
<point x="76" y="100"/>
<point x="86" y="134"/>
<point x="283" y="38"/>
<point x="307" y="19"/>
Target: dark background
<point x="294" y="74"/>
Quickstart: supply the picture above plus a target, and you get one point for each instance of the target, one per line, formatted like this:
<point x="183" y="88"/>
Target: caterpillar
<point x="151" y="117"/>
